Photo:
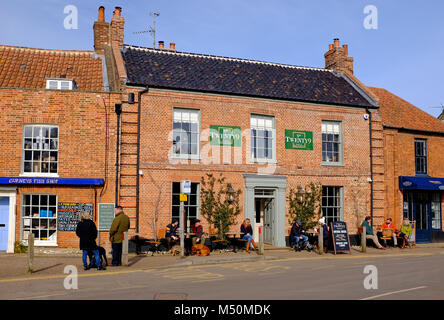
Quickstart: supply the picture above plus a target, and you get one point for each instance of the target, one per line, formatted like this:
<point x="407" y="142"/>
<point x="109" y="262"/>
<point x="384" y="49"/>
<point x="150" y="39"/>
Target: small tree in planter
<point x="305" y="204"/>
<point x="219" y="207"/>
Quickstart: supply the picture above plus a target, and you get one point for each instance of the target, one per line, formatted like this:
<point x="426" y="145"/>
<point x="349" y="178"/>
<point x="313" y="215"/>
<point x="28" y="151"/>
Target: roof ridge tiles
<point x="2" y="46"/>
<point x="224" y="58"/>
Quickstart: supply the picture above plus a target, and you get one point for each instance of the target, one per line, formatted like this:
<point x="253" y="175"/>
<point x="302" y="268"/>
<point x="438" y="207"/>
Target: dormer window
<point x="61" y="84"/>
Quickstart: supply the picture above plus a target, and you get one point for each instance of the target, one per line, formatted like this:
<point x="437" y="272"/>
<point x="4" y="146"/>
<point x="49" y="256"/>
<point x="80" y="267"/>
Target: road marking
<point x="45" y="296"/>
<point x="65" y="275"/>
<point x="394" y="292"/>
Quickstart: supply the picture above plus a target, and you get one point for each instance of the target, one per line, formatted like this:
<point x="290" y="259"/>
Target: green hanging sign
<point x="225" y="136"/>
<point x="298" y="140"/>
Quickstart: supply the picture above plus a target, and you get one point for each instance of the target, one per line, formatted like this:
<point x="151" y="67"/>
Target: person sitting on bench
<point x="389" y="225"/>
<point x="171" y="233"/>
<point x="405" y="232"/>
<point x="247" y="234"/>
<point x="198" y="231"/>
<point x="297" y="232"/>
<point x="370" y="234"/>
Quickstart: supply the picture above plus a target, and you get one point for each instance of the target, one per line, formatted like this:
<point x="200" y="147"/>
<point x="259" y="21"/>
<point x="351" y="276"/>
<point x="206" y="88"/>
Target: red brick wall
<point x="158" y="173"/>
<point x="82" y="148"/>
<point x="400" y="161"/>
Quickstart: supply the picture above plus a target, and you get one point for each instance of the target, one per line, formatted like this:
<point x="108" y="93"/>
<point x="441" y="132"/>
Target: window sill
<point x="262" y="161"/>
<point x="43" y="243"/>
<point x="39" y="175"/>
<point x="333" y="164"/>
<point x="186" y="157"/>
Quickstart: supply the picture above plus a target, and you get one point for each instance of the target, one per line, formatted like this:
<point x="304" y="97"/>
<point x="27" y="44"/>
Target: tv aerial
<point x="151" y="30"/>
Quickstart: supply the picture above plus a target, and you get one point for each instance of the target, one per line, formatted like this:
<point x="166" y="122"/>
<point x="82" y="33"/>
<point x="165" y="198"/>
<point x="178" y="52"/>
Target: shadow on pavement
<point x="47" y="268"/>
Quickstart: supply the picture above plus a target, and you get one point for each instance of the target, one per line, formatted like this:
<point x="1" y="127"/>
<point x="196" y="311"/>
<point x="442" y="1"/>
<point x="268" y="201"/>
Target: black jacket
<point x="296" y="230"/>
<point x="87" y="232"/>
<point x="171" y="231"/>
<point x="245" y="230"/>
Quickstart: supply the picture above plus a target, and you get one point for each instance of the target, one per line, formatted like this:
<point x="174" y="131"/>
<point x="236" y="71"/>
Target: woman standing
<point x="247" y="234"/>
<point x="87" y="232"/>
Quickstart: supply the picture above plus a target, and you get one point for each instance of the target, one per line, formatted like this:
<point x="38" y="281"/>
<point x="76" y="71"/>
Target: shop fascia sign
<point x="298" y="140"/>
<point x="225" y="136"/>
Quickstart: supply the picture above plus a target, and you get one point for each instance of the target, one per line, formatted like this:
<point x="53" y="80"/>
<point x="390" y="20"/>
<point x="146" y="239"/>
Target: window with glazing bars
<point x="421" y="156"/>
<point x="40" y="149"/>
<point x="331" y="142"/>
<point x="186" y="128"/>
<point x="331" y="204"/>
<point x="262" y="137"/>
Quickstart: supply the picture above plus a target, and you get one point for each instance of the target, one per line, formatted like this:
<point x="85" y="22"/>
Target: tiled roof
<point x="399" y="113"/>
<point x="204" y="73"/>
<point x="29" y="68"/>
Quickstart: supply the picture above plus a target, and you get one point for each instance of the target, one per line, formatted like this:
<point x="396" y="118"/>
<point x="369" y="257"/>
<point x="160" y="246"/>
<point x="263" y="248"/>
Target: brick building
<point x="185" y="101"/>
<point x="413" y="152"/>
<point x="267" y="127"/>
<point x="58" y="143"/>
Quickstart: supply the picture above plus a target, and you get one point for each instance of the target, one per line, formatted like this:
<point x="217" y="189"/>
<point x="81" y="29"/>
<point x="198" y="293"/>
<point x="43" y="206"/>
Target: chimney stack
<point x="117" y="28"/>
<point x="102" y="34"/>
<point x="336" y="58"/>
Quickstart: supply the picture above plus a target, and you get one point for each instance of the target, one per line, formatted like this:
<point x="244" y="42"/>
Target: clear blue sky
<point x="404" y="55"/>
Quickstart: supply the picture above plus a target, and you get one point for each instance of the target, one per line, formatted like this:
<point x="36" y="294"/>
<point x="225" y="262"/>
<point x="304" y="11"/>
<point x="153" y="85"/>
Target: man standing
<point x="121" y="224"/>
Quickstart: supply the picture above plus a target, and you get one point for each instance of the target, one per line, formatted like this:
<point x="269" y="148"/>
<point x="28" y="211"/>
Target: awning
<point x="421" y="183"/>
<point x="50" y="181"/>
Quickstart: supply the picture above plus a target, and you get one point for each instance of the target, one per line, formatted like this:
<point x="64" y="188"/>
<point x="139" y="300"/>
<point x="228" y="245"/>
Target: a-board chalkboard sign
<point x="106" y="216"/>
<point x="68" y="214"/>
<point x="339" y="236"/>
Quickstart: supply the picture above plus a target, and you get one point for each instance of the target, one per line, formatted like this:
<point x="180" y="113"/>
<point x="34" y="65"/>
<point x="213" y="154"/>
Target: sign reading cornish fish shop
<point x="298" y="140"/>
<point x="225" y="136"/>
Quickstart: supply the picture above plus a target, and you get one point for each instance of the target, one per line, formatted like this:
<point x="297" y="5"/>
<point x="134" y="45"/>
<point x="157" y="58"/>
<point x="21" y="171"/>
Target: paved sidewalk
<point x="53" y="261"/>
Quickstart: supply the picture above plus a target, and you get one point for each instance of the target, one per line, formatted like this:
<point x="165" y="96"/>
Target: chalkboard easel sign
<point x="339" y="237"/>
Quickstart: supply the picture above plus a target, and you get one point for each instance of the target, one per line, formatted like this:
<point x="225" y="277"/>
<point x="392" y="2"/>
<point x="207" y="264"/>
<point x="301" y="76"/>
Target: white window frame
<point x="40" y="174"/>
<point x="257" y="118"/>
<point x="190" y="111"/>
<point x="57" y="84"/>
<point x="340" y="161"/>
<point x="38" y="242"/>
<point x="341" y="202"/>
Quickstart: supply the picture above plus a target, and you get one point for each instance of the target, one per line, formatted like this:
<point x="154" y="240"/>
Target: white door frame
<point x="12" y="194"/>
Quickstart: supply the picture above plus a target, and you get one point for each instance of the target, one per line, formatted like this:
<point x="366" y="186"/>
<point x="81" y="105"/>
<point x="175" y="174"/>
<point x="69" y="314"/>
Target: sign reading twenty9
<point x="225" y="136"/>
<point x="299" y="140"/>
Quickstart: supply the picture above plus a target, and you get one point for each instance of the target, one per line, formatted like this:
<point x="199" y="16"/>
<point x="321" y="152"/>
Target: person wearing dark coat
<point x="87" y="232"/>
<point x="297" y="232"/>
<point x="247" y="234"/>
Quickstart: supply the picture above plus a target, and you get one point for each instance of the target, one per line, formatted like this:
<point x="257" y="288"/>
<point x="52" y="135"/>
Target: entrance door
<point x="4" y="222"/>
<point x="268" y="220"/>
<point x="421" y="212"/>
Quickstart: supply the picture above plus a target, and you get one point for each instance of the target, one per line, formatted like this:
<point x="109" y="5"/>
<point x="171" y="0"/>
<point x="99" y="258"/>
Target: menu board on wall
<point x="106" y="215"/>
<point x="68" y="214"/>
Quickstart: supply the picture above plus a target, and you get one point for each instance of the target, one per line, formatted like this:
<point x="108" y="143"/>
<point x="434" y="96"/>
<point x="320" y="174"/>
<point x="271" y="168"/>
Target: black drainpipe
<point x="371" y="163"/>
<point x="118" y="110"/>
<point x="138" y="155"/>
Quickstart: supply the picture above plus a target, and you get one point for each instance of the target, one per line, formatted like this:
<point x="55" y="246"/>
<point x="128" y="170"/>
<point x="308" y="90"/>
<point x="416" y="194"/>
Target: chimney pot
<point x="172" y="46"/>
<point x="161" y="45"/>
<point x="345" y="46"/>
<point x="117" y="12"/>
<point x="336" y="42"/>
<point x="101" y="14"/>
<point x="330" y="47"/>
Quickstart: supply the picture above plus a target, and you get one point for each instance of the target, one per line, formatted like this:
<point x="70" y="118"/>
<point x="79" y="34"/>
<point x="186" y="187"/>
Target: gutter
<point x="139" y="108"/>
